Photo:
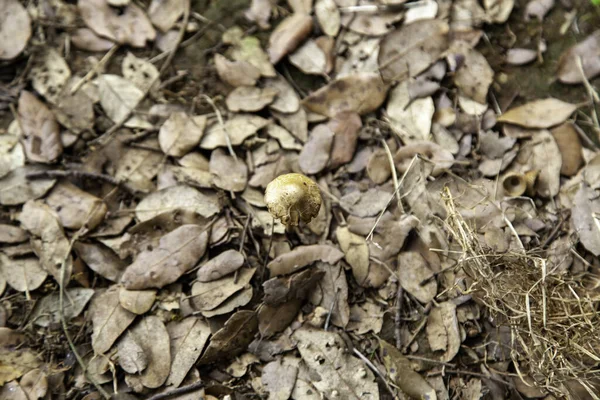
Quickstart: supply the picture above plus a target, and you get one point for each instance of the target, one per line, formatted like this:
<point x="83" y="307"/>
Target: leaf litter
<point x="458" y="216"/>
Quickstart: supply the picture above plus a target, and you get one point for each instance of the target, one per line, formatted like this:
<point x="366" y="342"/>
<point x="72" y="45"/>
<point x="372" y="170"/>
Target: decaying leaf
<point x="370" y="24"/>
<point x="22" y="274"/>
<point x="297" y="286"/>
<point x="137" y="301"/>
<point x="138" y="167"/>
<point x="249" y="49"/>
<point x="364" y="318"/>
<point x="239" y="299"/>
<point x="34" y="384"/>
<point x="250" y="98"/>
<point x="365" y="204"/>
<point x="228" y="173"/>
<point x="333" y="370"/>
<point x="356" y="253"/>
<point x="141" y="73"/>
<point x="584" y="218"/>
<point x="86" y="39"/>
<point x="233" y="338"/>
<point x="47" y="310"/>
<point x="176" y="253"/>
<point x="310" y="58"/>
<point x="76" y="208"/>
<point x="279" y="377"/>
<point x="568" y="142"/>
<point x="40" y="130"/>
<point x="539" y="113"/>
<point x="74" y="111"/>
<point x="16" y="363"/>
<point x="188" y="338"/>
<point x="287" y="101"/>
<point x="236" y="73"/>
<point x="130" y="355"/>
<point x="180" y="197"/>
<point x="314" y="156"/>
<point x="296" y="123"/>
<point x="12" y="234"/>
<point x="442" y="330"/>
<point x="521" y="56"/>
<point x="288" y="35"/>
<point x="346" y="127"/>
<point x="238" y="128"/>
<point x="412" y="271"/>
<point x="275" y="319"/>
<point x="475" y="75"/>
<point x="360" y="93"/>
<point x="49" y="74"/>
<point x="109" y="319"/>
<point x="409" y="119"/>
<point x="209" y="295"/>
<point x="259" y="12"/>
<point x="328" y="17"/>
<point x="588" y="53"/>
<point x="302" y="256"/>
<point x="217" y="267"/>
<point x="12" y="155"/>
<point x="442" y="159"/>
<point x="331" y="293"/>
<point x="15" y="29"/>
<point x="285" y="139"/>
<point x="15" y="188"/>
<point x="164" y="14"/>
<point x="101" y="260"/>
<point x="181" y="133"/>
<point x="118" y="96"/>
<point x="152" y="336"/>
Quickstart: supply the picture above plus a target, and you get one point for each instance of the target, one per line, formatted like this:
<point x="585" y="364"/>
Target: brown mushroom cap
<point x="293" y="197"/>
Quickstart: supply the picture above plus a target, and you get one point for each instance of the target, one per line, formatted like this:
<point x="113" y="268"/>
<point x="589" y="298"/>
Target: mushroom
<point x="291" y="197"/>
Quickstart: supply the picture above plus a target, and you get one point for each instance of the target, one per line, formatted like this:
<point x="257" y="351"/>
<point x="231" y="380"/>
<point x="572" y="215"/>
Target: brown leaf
<point x="188" y="338"/>
<point x="209" y="295"/>
<point x="543" y="113"/>
<point x="239" y="299"/>
<point x="346" y="127"/>
<point x="378" y="168"/>
<point x="287" y="101"/>
<point x="48" y="310"/>
<point x="175" y="198"/>
<point x="328" y="17"/>
<point x="441" y="157"/>
<point x="543" y="155"/>
<point x="129" y="25"/>
<point x="137" y="301"/>
<point x="409" y="119"/>
<point x="474" y="76"/>
<point x="302" y="256"/>
<point x="589" y="52"/>
<point x="228" y="173"/>
<point x="217" y="267"/>
<point x="568" y="142"/>
<point x="365" y="204"/>
<point x="360" y="93"/>
<point x="49" y="74"/>
<point x="15" y="29"/>
<point x="109" y="319"/>
<point x="520" y="56"/>
<point x="314" y="156"/>
<point x="141" y="73"/>
<point x="331" y="293"/>
<point x="138" y="167"/>
<point x="410" y="50"/>
<point x="583" y="218"/>
<point x="370" y="24"/>
<point x="356" y="253"/>
<point x="250" y="98"/>
<point x="412" y="271"/>
<point x="296" y="123"/>
<point x="249" y="49"/>
<point x="176" y="253"/>
<point x="101" y="260"/>
<point x="118" y="96"/>
<point x="22" y="274"/>
<point x="310" y="58"/>
<point x="164" y="14"/>
<point x="86" y="39"/>
<point x="76" y="208"/>
<point x="296" y="286"/>
<point x="442" y="330"/>
<point x="181" y="133"/>
<point x="239" y="127"/>
<point x="259" y="12"/>
<point x="233" y="338"/>
<point x="152" y="336"/>
<point x="12" y="234"/>
<point x="74" y="111"/>
<point x="236" y="73"/>
<point x="41" y="133"/>
<point x="279" y="377"/>
<point x="35" y="384"/>
<point x="288" y="35"/>
<point x="275" y="319"/>
<point x="285" y="139"/>
<point x="366" y="317"/>
<point x="15" y="363"/>
<point x="130" y="354"/>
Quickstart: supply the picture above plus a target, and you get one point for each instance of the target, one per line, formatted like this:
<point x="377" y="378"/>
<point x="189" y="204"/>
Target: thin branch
<point x="376" y="370"/>
<point x="186" y="18"/>
<point x="88" y="77"/>
<point x="176" y="392"/>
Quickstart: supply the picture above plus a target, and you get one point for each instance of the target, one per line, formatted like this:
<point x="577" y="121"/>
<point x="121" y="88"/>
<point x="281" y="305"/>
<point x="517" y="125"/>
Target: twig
<point x="221" y="124"/>
<point x="594" y="98"/>
<point x="376" y="370"/>
<point x="95" y="69"/>
<point x="390" y="157"/>
<point x="398" y="318"/>
<point x="178" y="391"/>
<point x="77" y="174"/>
<point x="186" y="18"/>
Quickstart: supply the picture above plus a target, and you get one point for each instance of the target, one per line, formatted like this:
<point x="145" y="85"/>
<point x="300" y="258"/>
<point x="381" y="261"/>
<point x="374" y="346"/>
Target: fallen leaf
<point x="86" y="39"/>
<point x="228" y="173"/>
<point x="328" y="17"/>
<point x="538" y="9"/>
<point x="279" y="377"/>
<point x="236" y="73"/>
<point x="519" y="56"/>
<point x="310" y="58"/>
<point x="314" y="156"/>
<point x="12" y="155"/>
<point x="40" y="130"/>
<point x="543" y="155"/>
<point x="285" y="139"/>
<point x="302" y="256"/>
<point x="301" y="6"/>
<point x="409" y="119"/>
<point x="137" y="301"/>
<point x="443" y="331"/>
<point x="370" y="24"/>
<point x="259" y="12"/>
<point x="13" y="391"/>
<point x="442" y="159"/>
<point x="141" y="73"/>
<point x="346" y="127"/>
<point x="361" y="56"/>
<point x="366" y="317"/>
<point x="400" y="372"/>
<point x="74" y="111"/>
<point x="360" y="93"/>
<point x="233" y="338"/>
<point x="181" y="133"/>
<point x="250" y="98"/>
<point x="411" y="49"/>
<point x="287" y="100"/>
<point x="192" y="176"/>
<point x="118" y="96"/>
<point x="356" y="253"/>
<point x="188" y="338"/>
<point x="584" y="219"/>
<point x="34" y="384"/>
<point x="249" y="49"/>
<point x="15" y="29"/>
<point x="48" y="310"/>
<point x="542" y="114"/>
<point x="49" y="74"/>
<point x="223" y="264"/>
<point x="493" y="146"/>
<point x="365" y="204"/>
<point x="239" y="299"/>
<point x="130" y="355"/>
<point x="569" y="144"/>
<point x="138" y="167"/>
<point x="101" y="260"/>
<point x="498" y="11"/>
<point x="176" y="253"/>
<point x="12" y="234"/>
<point x="288" y="35"/>
<point x="588" y="51"/>
<point x="180" y="197"/>
<point x="128" y="25"/>
<point x="76" y="208"/>
<point x="238" y="128"/>
<point x="164" y="14"/>
<point x="332" y="367"/>
<point x="109" y="319"/>
<point x="209" y="295"/>
<point x="474" y="76"/>
<point x="331" y="293"/>
<point x="22" y="274"/>
<point x="294" y="287"/>
<point x="303" y="388"/>
<point x="152" y="336"/>
<point x="412" y="271"/>
<point x="239" y="366"/>
<point x="427" y="10"/>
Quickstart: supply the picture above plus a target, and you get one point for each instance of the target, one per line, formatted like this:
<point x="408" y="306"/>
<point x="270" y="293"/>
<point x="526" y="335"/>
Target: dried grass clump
<point x="554" y="319"/>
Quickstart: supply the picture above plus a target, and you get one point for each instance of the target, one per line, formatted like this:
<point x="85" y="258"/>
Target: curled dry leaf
<point x="48" y="310"/>
<point x="279" y="377"/>
<point x="16" y="189"/>
<point x="442" y="330"/>
<point x="236" y="73"/>
<point x="302" y="256"/>
<point x="41" y="133"/>
<point x="360" y="93"/>
<point x="209" y="295"/>
<point x="181" y="133"/>
<point x="109" y="319"/>
<point x="22" y="274"/>
<point x="356" y="253"/>
<point x="441" y="157"/>
<point x="409" y="119"/>
<point x="126" y="26"/>
<point x="174" y="198"/>
<point x="288" y="35"/>
<point x="412" y="271"/>
<point x="76" y="208"/>
<point x="49" y="74"/>
<point x="118" y="96"/>
<point x="233" y="338"/>
<point x="568" y="142"/>
<point x="328" y="16"/>
<point x="250" y="98"/>
<point x="130" y="355"/>
<point x="238" y="128"/>
<point x="164" y="14"/>
<point x="225" y="263"/>
<point x="314" y="156"/>
<point x="346" y="127"/>
<point x="228" y="173"/>
<point x="583" y="218"/>
<point x="411" y="49"/>
<point x="86" y="39"/>
<point x="137" y="301"/>
<point x="15" y="29"/>
<point x="588" y="52"/>
<point x="152" y="336"/>
<point x="176" y="253"/>
<point x="333" y="368"/>
<point x="188" y="338"/>
<point x="539" y="113"/>
<point x="293" y="287"/>
<point x="543" y="155"/>
<point x="101" y="260"/>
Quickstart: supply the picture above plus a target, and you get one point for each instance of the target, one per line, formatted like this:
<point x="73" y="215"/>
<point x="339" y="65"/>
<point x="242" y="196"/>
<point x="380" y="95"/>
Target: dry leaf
<point x="361" y="56"/>
<point x="12" y="234"/>
<point x="48" y="310"/>
<point x="569" y="144"/>
<point x="333" y="371"/>
<point x="41" y="133"/>
<point x="179" y="197"/>
<point x="16" y="189"/>
<point x="331" y="293"/>
<point x="15" y="363"/>
<point x="474" y="76"/>
<point x="366" y="317"/>
<point x="239" y="299"/>
<point x="314" y="156"/>
<point x="259" y="12"/>
<point x="12" y="155"/>
<point x="584" y="218"/>
<point x="209" y="295"/>
<point x="15" y="29"/>
<point x="74" y="111"/>
<point x="250" y="98"/>
<point x="498" y="11"/>
<point x="188" y="338"/>
<point x="520" y="56"/>
<point x="176" y="253"/>
<point x="233" y="338"/>
<point x="360" y="93"/>
<point x="302" y="256"/>
<point x="236" y="73"/>
<point x="356" y="253"/>
<point x="22" y="274"/>
<point x="365" y="204"/>
<point x="287" y="101"/>
<point x="328" y="17"/>
<point x="49" y="74"/>
<point x="412" y="271"/>
<point x="293" y="287"/>
<point x="538" y="9"/>
<point x="285" y="139"/>
<point x="539" y="113"/>
<point x="238" y="128"/>
<point x="427" y="10"/>
<point x="441" y="158"/>
<point x="137" y="168"/>
<point x="129" y="25"/>
<point x="152" y="336"/>
<point x="35" y="384"/>
<point x="249" y="49"/>
<point x="12" y="391"/>
<point x="217" y="267"/>
<point x="228" y="173"/>
<point x="137" y="301"/>
<point x="279" y="377"/>
<point x="588" y="51"/>
<point x="130" y="355"/>
<point x="543" y="155"/>
<point x="443" y="331"/>
<point x="76" y="208"/>
<point x="288" y="35"/>
<point x="370" y="24"/>
<point x="410" y="50"/>
<point x="409" y="119"/>
<point x="296" y="123"/>
<point x="109" y="319"/>
<point x="346" y="127"/>
<point x="378" y="167"/>
<point x="141" y="73"/>
<point x="310" y="58"/>
<point x="101" y="260"/>
<point x="86" y="39"/>
<point x="118" y="96"/>
<point x="181" y="133"/>
<point x="165" y="13"/>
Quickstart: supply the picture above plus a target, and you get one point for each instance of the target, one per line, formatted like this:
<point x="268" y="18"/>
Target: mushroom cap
<point x="293" y="197"/>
